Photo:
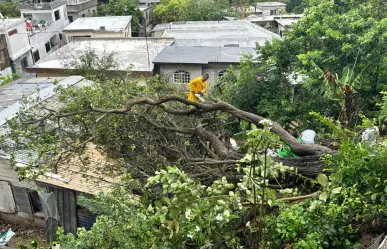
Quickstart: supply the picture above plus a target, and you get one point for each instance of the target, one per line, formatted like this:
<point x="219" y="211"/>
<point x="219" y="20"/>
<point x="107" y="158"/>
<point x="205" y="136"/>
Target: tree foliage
<point x="123" y="8"/>
<point x="9" y="9"/>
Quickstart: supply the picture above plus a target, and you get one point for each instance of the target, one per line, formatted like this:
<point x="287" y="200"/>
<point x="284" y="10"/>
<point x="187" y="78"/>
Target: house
<point x="81" y="8"/>
<point x="238" y="33"/>
<point x="19" y="200"/>
<point x="130" y="54"/>
<point x="275" y="23"/>
<point x="147" y="10"/>
<point x="48" y="20"/>
<point x="270" y="8"/>
<point x="181" y="64"/>
<point x="99" y="27"/>
<point x="15" y="49"/>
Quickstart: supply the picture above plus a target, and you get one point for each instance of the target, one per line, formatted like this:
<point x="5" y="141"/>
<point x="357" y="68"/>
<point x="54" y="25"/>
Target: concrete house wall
<point x="23" y="213"/>
<point x="15" y="46"/>
<point x="195" y="70"/>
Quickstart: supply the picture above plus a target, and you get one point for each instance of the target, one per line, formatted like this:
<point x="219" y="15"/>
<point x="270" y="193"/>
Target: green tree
<point x="123" y="8"/>
<point x="9" y="9"/>
<point x="190" y="10"/>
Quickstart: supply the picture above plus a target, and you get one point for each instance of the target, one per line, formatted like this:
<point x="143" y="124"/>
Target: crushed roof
<point x="202" y="55"/>
<point x="11" y="94"/>
<point x="129" y="53"/>
<point x="111" y="24"/>
<point x="71" y="174"/>
<point x="217" y="33"/>
<point x="31" y="93"/>
<point x="91" y="178"/>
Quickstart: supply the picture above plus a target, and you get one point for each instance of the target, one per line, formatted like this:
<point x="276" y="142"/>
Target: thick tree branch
<point x="295" y="145"/>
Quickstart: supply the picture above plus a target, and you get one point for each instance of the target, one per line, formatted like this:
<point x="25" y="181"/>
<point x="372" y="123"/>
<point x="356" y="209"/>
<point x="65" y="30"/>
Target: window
<point x="12" y="32"/>
<point x="181" y="76"/>
<point x="221" y="74"/>
<point x="36" y="56"/>
<point x="60" y="36"/>
<point x="48" y="47"/>
<point x="273" y="12"/>
<point x="71" y="18"/>
<point x="83" y="15"/>
<point x="57" y="15"/>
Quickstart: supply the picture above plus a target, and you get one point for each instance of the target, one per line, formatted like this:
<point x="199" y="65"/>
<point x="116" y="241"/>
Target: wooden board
<point x="7" y="203"/>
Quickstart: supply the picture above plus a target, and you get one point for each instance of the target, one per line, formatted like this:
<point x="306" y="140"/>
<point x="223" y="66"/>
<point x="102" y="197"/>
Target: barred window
<point x="181" y="76"/>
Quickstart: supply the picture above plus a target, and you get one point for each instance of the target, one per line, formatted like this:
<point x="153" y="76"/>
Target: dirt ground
<point x="24" y="235"/>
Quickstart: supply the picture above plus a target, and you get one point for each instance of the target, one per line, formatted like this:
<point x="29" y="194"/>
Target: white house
<point x="100" y="27"/>
<point x="270" y="8"/>
<point x="81" y="8"/>
<point x="48" y="20"/>
<point x="15" y="49"/>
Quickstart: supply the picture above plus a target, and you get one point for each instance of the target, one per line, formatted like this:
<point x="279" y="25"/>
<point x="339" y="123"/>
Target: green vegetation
<point x="9" y="9"/>
<point x="123" y="8"/>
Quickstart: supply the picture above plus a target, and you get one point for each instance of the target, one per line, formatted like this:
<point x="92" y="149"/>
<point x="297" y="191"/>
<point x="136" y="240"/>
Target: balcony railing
<point x="32" y="5"/>
<point x="79" y="5"/>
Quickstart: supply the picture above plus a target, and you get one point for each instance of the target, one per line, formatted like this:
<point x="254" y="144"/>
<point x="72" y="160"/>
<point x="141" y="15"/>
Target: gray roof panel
<point x="202" y="55"/>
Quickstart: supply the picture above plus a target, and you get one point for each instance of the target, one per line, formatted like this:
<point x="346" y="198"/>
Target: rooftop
<point x="202" y="55"/>
<point x="91" y="179"/>
<point x="71" y="174"/>
<point x="287" y="21"/>
<point x="270" y="4"/>
<point x="6" y="23"/>
<point x="12" y="93"/>
<point x="255" y="18"/>
<point x="41" y="4"/>
<point x="217" y="33"/>
<point x="110" y="23"/>
<point x="129" y="53"/>
<point x="35" y="89"/>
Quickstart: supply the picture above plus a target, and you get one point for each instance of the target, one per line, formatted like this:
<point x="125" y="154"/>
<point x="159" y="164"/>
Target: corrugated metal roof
<point x="202" y="55"/>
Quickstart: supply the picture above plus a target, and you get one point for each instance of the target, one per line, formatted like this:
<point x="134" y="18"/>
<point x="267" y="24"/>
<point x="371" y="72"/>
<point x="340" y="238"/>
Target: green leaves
<point x="322" y="179"/>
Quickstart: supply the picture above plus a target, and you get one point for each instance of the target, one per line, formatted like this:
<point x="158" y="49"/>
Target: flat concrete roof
<point x="129" y="53"/>
<point x="6" y="23"/>
<point x="255" y="18"/>
<point x="111" y="24"/>
<point x="270" y="4"/>
<point x="287" y="21"/>
<point x="218" y="33"/>
<point x="202" y="55"/>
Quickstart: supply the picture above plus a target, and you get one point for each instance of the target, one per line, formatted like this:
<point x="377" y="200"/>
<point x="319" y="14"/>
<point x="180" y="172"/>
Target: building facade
<point x="47" y="22"/>
<point x="270" y="8"/>
<point x="81" y="8"/>
<point x="182" y="64"/>
<point x="100" y="27"/>
<point x="15" y="49"/>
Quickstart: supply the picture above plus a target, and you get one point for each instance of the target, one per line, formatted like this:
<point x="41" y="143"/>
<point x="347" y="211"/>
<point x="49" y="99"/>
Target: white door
<point x="7" y="203"/>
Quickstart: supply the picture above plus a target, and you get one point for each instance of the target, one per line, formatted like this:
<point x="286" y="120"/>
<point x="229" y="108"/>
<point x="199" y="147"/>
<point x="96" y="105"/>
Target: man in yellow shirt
<point x="197" y="86"/>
